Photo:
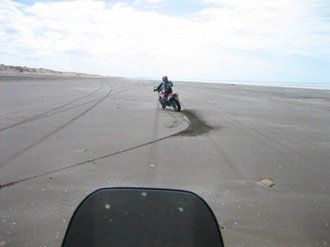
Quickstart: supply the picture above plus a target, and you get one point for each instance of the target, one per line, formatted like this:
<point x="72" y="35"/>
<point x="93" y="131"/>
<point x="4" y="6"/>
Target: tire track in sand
<point x="283" y="148"/>
<point x="61" y="127"/>
<point x="193" y="129"/>
<point x="50" y="112"/>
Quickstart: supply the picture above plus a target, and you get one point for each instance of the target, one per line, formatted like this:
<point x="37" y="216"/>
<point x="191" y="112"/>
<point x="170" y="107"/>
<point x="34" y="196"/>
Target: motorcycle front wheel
<point x="162" y="103"/>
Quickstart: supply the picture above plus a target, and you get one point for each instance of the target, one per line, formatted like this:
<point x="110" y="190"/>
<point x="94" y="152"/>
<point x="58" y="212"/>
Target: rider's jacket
<point x="165" y="85"/>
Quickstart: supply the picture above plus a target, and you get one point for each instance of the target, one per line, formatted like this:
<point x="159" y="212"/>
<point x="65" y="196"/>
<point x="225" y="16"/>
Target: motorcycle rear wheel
<point x="176" y="105"/>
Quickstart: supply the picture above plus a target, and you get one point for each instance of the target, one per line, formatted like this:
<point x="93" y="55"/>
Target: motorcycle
<point x="145" y="217"/>
<point x="171" y="99"/>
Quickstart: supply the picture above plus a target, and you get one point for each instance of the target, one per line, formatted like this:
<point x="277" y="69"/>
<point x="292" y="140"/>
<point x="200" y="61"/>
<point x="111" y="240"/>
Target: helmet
<point x="164" y="78"/>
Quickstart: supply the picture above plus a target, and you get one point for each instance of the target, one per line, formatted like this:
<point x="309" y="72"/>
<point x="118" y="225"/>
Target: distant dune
<point x="8" y="69"/>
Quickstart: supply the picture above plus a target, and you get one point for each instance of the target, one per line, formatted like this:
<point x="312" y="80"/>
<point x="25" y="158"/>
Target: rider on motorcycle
<point x="165" y="84"/>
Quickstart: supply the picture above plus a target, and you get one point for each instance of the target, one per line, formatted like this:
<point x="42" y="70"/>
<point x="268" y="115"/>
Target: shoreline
<point x="57" y="74"/>
<point x="259" y="84"/>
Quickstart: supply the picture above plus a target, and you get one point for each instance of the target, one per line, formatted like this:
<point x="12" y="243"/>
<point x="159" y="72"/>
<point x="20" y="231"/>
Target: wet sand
<point x="62" y="138"/>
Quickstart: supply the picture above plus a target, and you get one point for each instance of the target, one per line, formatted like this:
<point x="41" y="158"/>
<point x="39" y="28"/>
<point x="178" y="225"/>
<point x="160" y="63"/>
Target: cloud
<point x="225" y="39"/>
<point x="136" y="2"/>
<point x="283" y="26"/>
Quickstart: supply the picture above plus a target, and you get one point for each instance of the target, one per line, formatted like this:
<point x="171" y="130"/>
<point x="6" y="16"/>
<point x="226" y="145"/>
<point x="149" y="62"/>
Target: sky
<point x="214" y="40"/>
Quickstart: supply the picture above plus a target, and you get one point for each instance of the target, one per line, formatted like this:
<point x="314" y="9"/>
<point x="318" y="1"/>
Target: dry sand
<point x="260" y="156"/>
<point x="22" y="71"/>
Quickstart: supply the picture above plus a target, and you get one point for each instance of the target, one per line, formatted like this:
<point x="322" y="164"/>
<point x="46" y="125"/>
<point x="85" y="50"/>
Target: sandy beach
<point x="260" y="156"/>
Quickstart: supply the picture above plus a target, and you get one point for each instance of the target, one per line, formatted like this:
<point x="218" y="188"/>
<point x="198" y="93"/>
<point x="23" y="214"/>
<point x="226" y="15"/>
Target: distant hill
<point x="40" y="71"/>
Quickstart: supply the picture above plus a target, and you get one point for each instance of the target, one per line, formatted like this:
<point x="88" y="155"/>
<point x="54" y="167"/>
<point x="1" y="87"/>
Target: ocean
<point x="311" y="85"/>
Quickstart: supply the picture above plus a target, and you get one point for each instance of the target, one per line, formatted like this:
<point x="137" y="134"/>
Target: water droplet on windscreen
<point x="180" y="209"/>
<point x="144" y="194"/>
<point x="3" y="243"/>
<point x="107" y="206"/>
